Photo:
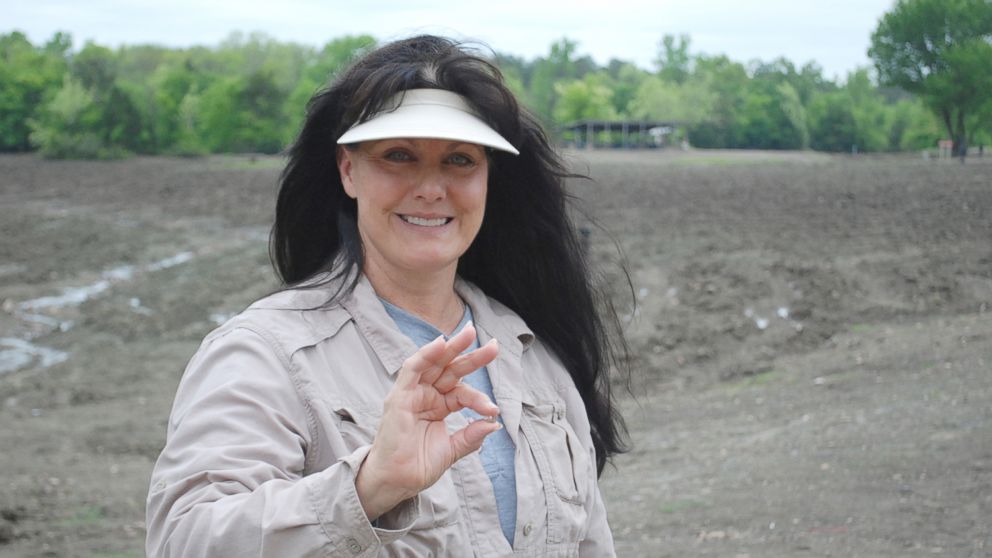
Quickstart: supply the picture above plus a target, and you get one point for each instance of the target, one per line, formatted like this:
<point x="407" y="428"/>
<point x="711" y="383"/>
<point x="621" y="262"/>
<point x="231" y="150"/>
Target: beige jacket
<point x="277" y="409"/>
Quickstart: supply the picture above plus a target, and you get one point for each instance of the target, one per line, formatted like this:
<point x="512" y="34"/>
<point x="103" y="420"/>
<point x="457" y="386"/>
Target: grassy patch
<point x="85" y="515"/>
<point x="759" y="379"/>
<point x="678" y="506"/>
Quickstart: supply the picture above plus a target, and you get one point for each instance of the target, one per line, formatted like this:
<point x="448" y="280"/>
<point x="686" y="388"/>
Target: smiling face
<point x="420" y="202"/>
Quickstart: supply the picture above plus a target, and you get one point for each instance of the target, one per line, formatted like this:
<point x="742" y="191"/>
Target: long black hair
<point x="526" y="255"/>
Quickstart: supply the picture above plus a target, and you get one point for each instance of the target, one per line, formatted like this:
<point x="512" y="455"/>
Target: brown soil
<point x="812" y="344"/>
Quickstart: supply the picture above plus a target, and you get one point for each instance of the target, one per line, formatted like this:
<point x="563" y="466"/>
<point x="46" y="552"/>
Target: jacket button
<point x="528" y="528"/>
<point x="353" y="546"/>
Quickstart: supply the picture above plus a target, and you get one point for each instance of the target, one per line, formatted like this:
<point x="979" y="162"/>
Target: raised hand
<point x="412" y="447"/>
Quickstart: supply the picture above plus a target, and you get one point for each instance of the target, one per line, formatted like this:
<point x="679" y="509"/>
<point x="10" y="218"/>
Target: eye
<point x="460" y="160"/>
<point x="397" y="155"/>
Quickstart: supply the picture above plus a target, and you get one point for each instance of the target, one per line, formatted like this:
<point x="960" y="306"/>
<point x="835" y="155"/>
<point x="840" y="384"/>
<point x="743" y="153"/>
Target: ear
<point x="345" y="167"/>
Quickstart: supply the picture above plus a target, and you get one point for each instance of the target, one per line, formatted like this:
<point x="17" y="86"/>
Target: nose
<point x="430" y="187"/>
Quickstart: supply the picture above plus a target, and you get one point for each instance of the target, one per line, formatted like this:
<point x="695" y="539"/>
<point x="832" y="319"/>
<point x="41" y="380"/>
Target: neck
<point x="430" y="297"/>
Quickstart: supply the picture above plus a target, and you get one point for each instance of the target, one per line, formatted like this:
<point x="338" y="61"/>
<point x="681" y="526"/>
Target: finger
<point x="422" y="361"/>
<point x="453" y="347"/>
<point x="465" y="365"/>
<point x="465" y="396"/>
<point x="470" y="438"/>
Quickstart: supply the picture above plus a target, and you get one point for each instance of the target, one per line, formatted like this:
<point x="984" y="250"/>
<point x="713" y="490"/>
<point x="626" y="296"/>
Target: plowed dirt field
<point x="812" y="340"/>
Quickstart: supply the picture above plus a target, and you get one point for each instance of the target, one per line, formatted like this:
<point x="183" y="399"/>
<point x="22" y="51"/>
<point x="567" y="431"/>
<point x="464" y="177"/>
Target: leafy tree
<point x="674" y="61"/>
<point x="832" y="123"/>
<point x="727" y="83"/>
<point x="29" y="77"/>
<point x="242" y="114"/>
<point x="795" y="112"/>
<point x="559" y="65"/>
<point x="940" y="50"/>
<point x="765" y="123"/>
<point x="626" y="79"/>
<point x="95" y="67"/>
<point x="188" y="142"/>
<point x="119" y="123"/>
<point x="586" y="98"/>
<point x="516" y="66"/>
<point x="168" y="86"/>
<point x="336" y="55"/>
<point x="911" y="126"/>
<point x="853" y="117"/>
<point x="319" y="70"/>
<point x="869" y="112"/>
<point x="66" y="126"/>
<point x="657" y="99"/>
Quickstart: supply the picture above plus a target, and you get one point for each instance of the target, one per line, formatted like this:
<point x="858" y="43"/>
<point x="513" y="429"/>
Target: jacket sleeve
<point x="230" y="480"/>
<point x="599" y="538"/>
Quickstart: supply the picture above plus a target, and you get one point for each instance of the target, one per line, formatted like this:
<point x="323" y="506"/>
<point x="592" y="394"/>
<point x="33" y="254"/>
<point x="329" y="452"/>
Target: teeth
<point x="424" y="222"/>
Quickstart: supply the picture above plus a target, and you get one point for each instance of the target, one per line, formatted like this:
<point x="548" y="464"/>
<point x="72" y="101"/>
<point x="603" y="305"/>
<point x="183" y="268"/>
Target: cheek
<point x="473" y="197"/>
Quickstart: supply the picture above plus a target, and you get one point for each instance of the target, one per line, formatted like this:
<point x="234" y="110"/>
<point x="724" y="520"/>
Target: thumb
<point x="470" y="438"/>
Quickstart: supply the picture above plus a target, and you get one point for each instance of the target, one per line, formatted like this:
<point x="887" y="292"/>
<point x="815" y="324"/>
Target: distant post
<point x="944" y="148"/>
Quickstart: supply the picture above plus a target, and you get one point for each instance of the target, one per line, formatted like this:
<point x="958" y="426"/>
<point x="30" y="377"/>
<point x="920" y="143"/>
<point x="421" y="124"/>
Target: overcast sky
<point x="833" y="33"/>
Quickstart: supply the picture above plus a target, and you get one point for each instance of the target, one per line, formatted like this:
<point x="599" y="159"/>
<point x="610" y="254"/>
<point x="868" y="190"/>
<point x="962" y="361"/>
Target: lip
<point x="425" y="215"/>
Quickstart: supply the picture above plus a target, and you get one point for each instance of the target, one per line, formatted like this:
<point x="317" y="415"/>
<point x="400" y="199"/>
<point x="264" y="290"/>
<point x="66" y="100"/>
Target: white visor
<point x="427" y="113"/>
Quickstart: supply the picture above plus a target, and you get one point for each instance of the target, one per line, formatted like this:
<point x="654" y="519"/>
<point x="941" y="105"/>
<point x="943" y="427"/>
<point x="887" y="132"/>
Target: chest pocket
<point x="355" y="425"/>
<point x="438" y="503"/>
<point x="565" y="461"/>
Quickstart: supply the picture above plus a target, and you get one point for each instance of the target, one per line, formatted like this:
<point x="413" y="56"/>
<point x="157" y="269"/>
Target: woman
<point x="437" y="303"/>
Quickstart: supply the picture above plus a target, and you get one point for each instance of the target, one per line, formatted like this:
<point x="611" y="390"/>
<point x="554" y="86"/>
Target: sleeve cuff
<point x="342" y="517"/>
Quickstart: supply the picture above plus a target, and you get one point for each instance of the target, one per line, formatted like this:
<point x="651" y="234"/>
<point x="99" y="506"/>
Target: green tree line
<point x="249" y="93"/>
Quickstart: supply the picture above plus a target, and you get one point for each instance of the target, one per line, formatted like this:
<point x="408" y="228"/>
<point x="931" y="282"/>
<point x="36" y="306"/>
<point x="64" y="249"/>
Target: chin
<point x="431" y="263"/>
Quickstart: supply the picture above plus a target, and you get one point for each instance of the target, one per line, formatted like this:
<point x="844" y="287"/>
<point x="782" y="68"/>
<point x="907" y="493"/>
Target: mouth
<point x="426" y="222"/>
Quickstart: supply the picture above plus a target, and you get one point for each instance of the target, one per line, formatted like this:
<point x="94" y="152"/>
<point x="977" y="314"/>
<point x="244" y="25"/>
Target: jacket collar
<point x="392" y="347"/>
<point x="495" y="319"/>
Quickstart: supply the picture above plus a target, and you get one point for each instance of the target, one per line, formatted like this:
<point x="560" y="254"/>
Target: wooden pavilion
<point x="623" y="134"/>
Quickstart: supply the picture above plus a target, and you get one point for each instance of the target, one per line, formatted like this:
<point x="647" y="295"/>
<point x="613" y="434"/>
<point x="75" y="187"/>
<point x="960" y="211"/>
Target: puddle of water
<point x="172" y="261"/>
<point x="42" y="319"/>
<point x="122" y="273"/>
<point x="12" y="359"/>
<point x="12" y="268"/>
<point x="71" y="296"/>
<point x="20" y="353"/>
<point x="74" y="296"/>
<point x="138" y="308"/>
<point x="220" y="318"/>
